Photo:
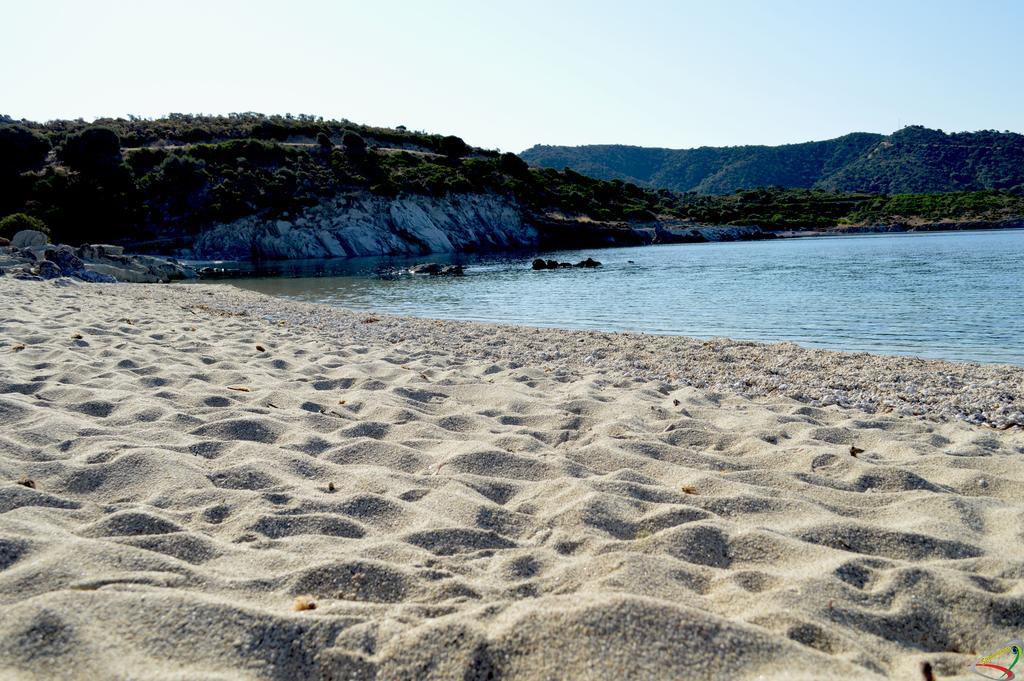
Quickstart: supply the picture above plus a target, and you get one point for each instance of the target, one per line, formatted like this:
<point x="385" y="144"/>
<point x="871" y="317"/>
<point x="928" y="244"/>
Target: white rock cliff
<point x="361" y="224"/>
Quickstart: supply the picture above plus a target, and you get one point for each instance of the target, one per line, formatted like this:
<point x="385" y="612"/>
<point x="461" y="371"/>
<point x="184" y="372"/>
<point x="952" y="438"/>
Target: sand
<point x="202" y="483"/>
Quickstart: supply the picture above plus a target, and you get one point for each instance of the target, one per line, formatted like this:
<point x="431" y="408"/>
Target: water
<point x="955" y="295"/>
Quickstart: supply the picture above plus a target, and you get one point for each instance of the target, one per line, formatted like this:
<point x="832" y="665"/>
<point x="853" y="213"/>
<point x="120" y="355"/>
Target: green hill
<point x="135" y="180"/>
<point x="157" y="184"/>
<point x="911" y="160"/>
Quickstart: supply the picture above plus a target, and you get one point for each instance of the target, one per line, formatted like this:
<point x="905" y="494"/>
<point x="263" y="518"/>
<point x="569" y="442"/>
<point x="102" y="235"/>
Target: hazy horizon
<point x="654" y="74"/>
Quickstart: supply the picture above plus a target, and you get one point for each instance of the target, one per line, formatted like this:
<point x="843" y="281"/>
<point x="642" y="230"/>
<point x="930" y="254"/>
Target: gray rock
<point x="426" y="268"/>
<point x="95" y="277"/>
<point x="136" y="269"/>
<point x="98" y="263"/>
<point x="96" y="251"/>
<point x="361" y="224"/>
<point x="541" y="264"/>
<point x="66" y="259"/>
<point x="47" y="269"/>
<point x="437" y="269"/>
<point x="29" y="238"/>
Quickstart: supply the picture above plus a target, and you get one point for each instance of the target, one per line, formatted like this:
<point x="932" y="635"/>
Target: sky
<point x="508" y="75"/>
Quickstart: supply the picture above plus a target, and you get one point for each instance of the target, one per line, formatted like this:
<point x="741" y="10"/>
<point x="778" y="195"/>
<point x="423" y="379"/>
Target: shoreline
<point x="916" y="386"/>
<point x="202" y="481"/>
<point x="213" y="269"/>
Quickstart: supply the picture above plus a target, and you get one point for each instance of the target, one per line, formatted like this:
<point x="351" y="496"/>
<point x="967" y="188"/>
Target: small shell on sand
<point x="303" y="603"/>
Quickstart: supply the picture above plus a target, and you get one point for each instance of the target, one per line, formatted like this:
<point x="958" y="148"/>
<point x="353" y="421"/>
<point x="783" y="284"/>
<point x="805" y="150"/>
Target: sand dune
<point x="178" y="476"/>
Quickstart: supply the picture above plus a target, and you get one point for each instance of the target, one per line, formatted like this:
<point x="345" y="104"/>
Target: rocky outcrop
<point x="29" y="238"/>
<point x="541" y="264"/>
<point x="31" y="256"/>
<point x="681" y="231"/>
<point x="437" y="269"/>
<point x="363" y="224"/>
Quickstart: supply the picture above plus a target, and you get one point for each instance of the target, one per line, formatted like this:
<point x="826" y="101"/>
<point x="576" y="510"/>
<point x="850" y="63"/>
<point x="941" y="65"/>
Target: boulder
<point x="29" y="238"/>
<point x="136" y="269"/>
<point x="47" y="269"/>
<point x="434" y="268"/>
<point x="4" y="242"/>
<point x="132" y="274"/>
<point x="95" y="277"/>
<point x="541" y="264"/>
<point x="426" y="268"/>
<point x="589" y="262"/>
<point x="65" y="258"/>
<point x="97" y="251"/>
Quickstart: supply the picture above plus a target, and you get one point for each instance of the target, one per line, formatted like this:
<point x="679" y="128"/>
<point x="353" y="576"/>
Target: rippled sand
<point x="182" y="467"/>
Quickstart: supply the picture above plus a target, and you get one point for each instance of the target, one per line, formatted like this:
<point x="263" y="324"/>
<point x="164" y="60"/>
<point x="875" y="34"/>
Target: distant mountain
<point x="912" y="160"/>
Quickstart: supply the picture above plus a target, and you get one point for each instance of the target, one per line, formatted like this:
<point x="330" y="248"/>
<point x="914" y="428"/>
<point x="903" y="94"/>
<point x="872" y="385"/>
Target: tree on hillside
<point x="21" y="150"/>
<point x="513" y="165"/>
<point x="354" y="145"/>
<point x="92" y="149"/>
<point x="453" y="147"/>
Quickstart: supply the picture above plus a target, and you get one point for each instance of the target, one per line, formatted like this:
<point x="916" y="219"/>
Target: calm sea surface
<point x="950" y="295"/>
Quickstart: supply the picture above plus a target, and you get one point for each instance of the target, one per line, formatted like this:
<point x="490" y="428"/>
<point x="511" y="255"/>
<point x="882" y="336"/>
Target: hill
<point x="137" y="179"/>
<point x="912" y="160"/>
<point x="239" y="184"/>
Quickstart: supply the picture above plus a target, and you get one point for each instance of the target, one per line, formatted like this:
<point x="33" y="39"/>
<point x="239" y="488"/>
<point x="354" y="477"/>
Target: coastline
<point x="646" y="236"/>
<point x="484" y="501"/>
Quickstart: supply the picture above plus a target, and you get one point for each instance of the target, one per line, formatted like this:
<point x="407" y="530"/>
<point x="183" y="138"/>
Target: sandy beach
<point x="198" y="482"/>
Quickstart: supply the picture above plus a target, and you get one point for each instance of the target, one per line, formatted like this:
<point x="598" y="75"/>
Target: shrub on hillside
<point x="91" y="149"/>
<point x="12" y="224"/>
<point x="452" y="146"/>
<point x="21" y="150"/>
<point x="354" y="145"/>
<point x="513" y="165"/>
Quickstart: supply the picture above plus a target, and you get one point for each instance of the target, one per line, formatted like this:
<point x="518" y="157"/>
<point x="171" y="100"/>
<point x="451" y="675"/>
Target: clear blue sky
<point x="511" y="74"/>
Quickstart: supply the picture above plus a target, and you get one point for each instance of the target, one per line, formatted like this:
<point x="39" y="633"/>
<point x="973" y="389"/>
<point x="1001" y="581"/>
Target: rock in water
<point x="541" y="264"/>
<point x="589" y="262"/>
<point x="426" y="268"/>
<point x="434" y="268"/>
<point x="29" y="238"/>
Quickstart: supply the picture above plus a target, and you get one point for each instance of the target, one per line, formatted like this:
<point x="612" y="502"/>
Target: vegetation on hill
<point x="793" y="209"/>
<point x="911" y="160"/>
<point x="138" y="180"/>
